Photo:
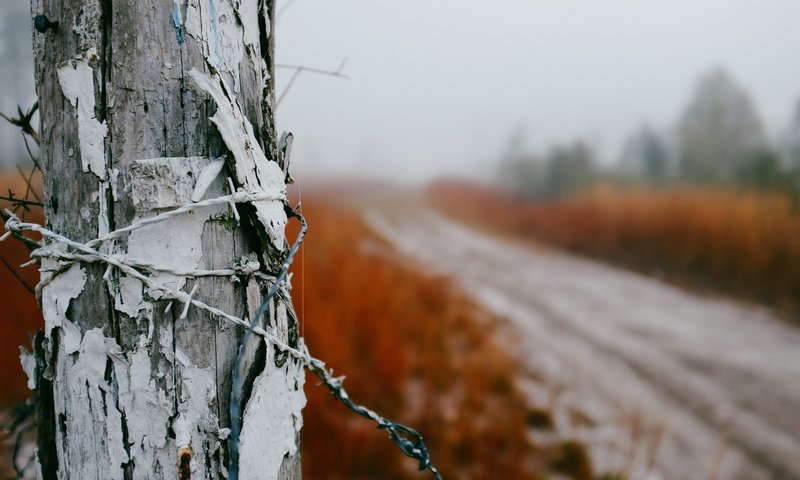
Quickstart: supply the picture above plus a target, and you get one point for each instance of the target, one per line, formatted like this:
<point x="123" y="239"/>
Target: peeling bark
<point x="130" y="385"/>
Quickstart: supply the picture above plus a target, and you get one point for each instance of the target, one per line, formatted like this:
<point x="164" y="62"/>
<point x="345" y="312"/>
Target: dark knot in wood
<point x="42" y="24"/>
<point x="184" y="464"/>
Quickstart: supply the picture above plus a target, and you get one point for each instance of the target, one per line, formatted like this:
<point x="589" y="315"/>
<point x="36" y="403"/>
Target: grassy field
<point x="744" y="244"/>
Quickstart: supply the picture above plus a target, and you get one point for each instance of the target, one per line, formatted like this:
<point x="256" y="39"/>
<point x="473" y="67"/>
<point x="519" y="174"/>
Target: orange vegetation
<point x="414" y="350"/>
<point x="19" y="316"/>
<point x="743" y="243"/>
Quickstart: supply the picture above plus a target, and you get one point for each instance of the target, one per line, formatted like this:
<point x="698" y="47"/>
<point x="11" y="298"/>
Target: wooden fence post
<point x="141" y="100"/>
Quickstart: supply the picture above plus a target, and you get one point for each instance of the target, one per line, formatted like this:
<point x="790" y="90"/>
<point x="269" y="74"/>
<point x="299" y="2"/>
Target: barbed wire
<point x="67" y="252"/>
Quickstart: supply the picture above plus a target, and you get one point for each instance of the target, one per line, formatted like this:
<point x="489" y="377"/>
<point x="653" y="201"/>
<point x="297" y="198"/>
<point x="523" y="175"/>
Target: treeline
<point x="718" y="140"/>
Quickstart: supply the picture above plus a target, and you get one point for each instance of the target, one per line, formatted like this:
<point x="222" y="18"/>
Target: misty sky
<point x="439" y="86"/>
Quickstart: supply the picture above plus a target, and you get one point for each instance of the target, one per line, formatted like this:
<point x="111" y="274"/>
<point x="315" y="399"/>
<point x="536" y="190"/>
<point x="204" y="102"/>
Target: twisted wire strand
<point x="408" y="440"/>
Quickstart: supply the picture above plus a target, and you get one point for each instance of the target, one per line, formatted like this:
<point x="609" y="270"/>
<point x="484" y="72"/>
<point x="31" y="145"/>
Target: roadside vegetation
<point x="743" y="243"/>
<point x="20" y="316"/>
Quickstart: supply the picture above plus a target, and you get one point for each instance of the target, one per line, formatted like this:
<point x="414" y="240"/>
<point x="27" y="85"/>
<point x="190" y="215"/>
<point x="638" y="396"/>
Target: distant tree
<point x="762" y="169"/>
<point x="522" y="173"/>
<point x="568" y="169"/>
<point x="565" y="169"/>
<point x="645" y="157"/>
<point x="791" y="143"/>
<point x="519" y="170"/>
<point x="718" y="131"/>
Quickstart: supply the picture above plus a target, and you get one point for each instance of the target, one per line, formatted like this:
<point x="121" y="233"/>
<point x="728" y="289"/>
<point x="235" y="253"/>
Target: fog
<point x="439" y="87"/>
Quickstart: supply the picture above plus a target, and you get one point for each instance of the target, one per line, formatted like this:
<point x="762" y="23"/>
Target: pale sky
<point x="439" y="86"/>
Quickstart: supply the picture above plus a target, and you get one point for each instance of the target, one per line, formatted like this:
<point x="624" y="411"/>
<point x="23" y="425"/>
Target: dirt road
<point x="674" y="385"/>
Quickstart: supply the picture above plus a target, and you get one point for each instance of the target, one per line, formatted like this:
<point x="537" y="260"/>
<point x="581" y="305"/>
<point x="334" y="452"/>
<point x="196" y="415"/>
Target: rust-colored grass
<point x="747" y="244"/>
<point x="414" y="350"/>
<point x="19" y="315"/>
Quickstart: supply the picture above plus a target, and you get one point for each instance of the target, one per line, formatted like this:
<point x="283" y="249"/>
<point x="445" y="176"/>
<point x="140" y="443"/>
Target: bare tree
<point x="165" y="209"/>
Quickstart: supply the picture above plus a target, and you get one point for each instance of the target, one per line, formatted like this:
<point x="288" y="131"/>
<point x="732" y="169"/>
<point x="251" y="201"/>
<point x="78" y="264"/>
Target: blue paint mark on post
<point x="177" y="22"/>
<point x="217" y="49"/>
<point x="236" y="388"/>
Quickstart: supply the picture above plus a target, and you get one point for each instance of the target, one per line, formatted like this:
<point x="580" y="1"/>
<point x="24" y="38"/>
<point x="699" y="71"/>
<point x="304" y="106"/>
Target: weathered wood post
<point x="139" y="101"/>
